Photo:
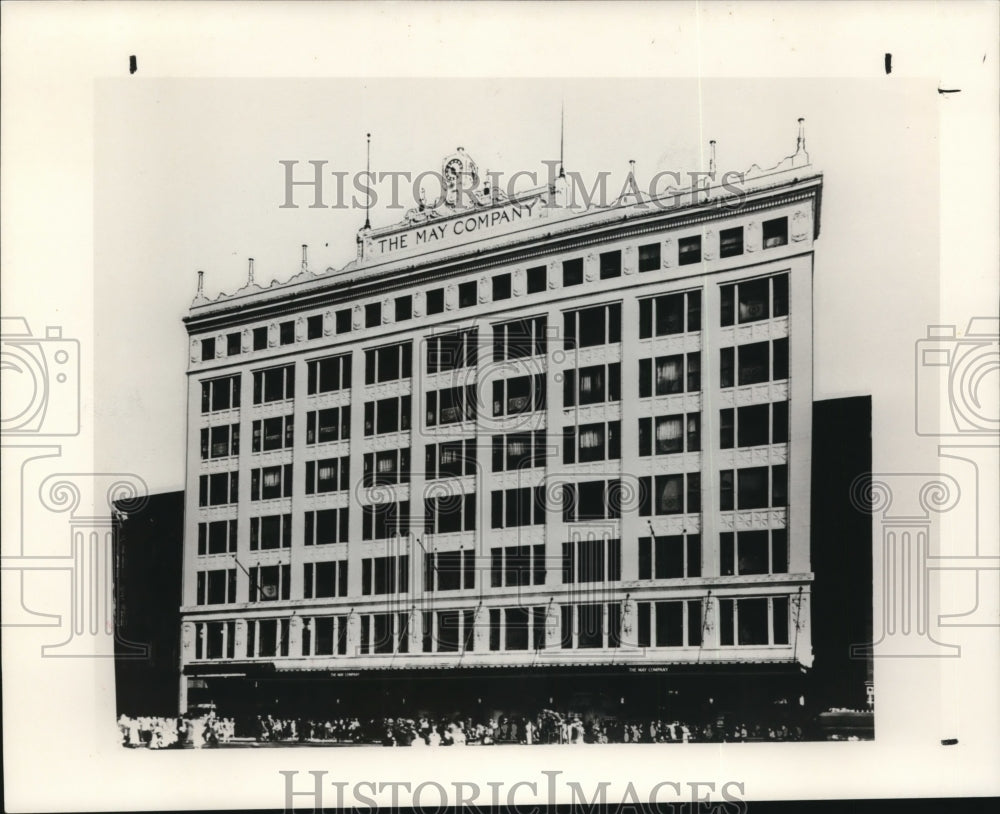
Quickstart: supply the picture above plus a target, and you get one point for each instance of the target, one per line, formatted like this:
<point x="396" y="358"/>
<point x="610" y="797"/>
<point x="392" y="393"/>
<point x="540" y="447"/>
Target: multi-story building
<point x="514" y="437"/>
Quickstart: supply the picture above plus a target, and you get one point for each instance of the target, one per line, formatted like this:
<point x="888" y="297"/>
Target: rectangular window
<point x="314" y="326"/>
<point x="590" y="625"/>
<point x="670" y="314"/>
<point x="678" y="623"/>
<point x="451" y="459"/>
<point x="666" y="375"/>
<point x="594" y="384"/>
<point x="452" y="351"/>
<point x="753" y="621"/>
<point x="449" y="570"/>
<point x="217" y="587"/>
<point x="269" y="482"/>
<point x="451" y="405"/>
<point x="387" y="467"/>
<point x="324" y="579"/>
<point x="270" y="582"/>
<point x="435" y="301"/>
<point x="588" y="327"/>
<point x="373" y="314"/>
<point x="273" y="384"/>
<point x="259" y="338"/>
<point x="755" y="425"/>
<point x="326" y="526"/>
<point x="217" y="537"/>
<point x="233" y="344"/>
<point x="343" y="320"/>
<point x="513" y="566"/>
<point x="673" y="556"/>
<point x="522" y="394"/>
<point x="611" y="265"/>
<point x="649" y="257"/>
<point x="572" y="272"/>
<point x="328" y="375"/>
<point x="385" y="520"/>
<point x="404" y="308"/>
<point x="670" y="494"/>
<point x="775" y="232"/>
<point x="467" y="294"/>
<point x="731" y="242"/>
<point x="753" y="552"/>
<point x="536" y="279"/>
<point x="328" y="475"/>
<point x="207" y="349"/>
<point x="385" y="575"/>
<point x="450" y="513"/>
<point x="267" y="638"/>
<point x="220" y="442"/>
<point x="388" y="364"/>
<point x="522" y="450"/>
<point x="752" y="363"/>
<point x="666" y="435"/>
<point x="689" y="250"/>
<point x="215" y="640"/>
<point x="512" y="508"/>
<point x="331" y="424"/>
<point x="270" y="532"/>
<point x="754" y="300"/>
<point x="592" y="560"/>
<point x="756" y="487"/>
<point x="519" y="339"/>
<point x="286" y="332"/>
<point x="591" y="500"/>
<point x="218" y="489"/>
<point x="220" y="394"/>
<point x="387" y="415"/>
<point x="501" y="287"/>
<point x="592" y="442"/>
<point x="272" y="433"/>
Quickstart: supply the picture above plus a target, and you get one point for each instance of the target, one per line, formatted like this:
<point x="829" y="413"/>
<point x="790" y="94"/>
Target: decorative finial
<point x="711" y="157"/>
<point x="801" y="143"/>
<point x="368" y="174"/>
<point x="250" y="273"/>
<point x="305" y="257"/>
<point x="201" y="284"/>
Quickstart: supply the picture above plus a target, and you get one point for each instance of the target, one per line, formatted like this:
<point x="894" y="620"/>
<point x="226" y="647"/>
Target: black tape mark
<point x="949" y="90"/>
<point x="133" y="64"/>
<point x="888" y="63"/>
<point x="949" y="741"/>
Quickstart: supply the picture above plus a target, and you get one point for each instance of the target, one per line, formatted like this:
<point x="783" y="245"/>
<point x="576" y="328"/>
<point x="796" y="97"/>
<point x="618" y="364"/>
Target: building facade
<point x="513" y="435"/>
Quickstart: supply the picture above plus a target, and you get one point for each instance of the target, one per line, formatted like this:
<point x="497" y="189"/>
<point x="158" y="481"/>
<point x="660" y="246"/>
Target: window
<point x="388" y="364"/>
<point x="449" y="570"/>
<point x="600" y="325"/>
<point x="756" y="363"/>
<point x="754" y="425"/>
<point x="217" y="537"/>
<point x="387" y="467"/>
<point x="328" y="375"/>
<point x="670" y="494"/>
<point x="218" y="489"/>
<point x="517" y="628"/>
<point x="207" y="349"/>
<point x="325" y="579"/>
<point x="220" y="442"/>
<point x="435" y="301"/>
<point x="385" y="575"/>
<point x="373" y="314"/>
<point x="451" y="405"/>
<point x="270" y="532"/>
<point x="649" y="257"/>
<point x="326" y="526"/>
<point x="753" y="621"/>
<point x="220" y="394"/>
<point x="270" y="582"/>
<point x="273" y="384"/>
<point x="669" y="434"/>
<point x="753" y="552"/>
<point x="217" y="587"/>
<point x="467" y="294"/>
<point x="670" y="314"/>
<point x="757" y="487"/>
<point x="511" y="508"/>
<point x="689" y="250"/>
<point x="385" y="633"/>
<point x="233" y="344"/>
<point x="611" y="265"/>
<point x="591" y="500"/>
<point x="536" y="279"/>
<point x="522" y="394"/>
<point x="450" y="513"/>
<point x="592" y="560"/>
<point x="448" y="631"/>
<point x="267" y="638"/>
<point x="324" y="636"/>
<point x="404" y="308"/>
<point x="672" y="556"/>
<point x="328" y="475"/>
<point x="259" y="338"/>
<point x="775" y="232"/>
<point x="519" y="339"/>
<point x="385" y="520"/>
<point x="286" y="332"/>
<point x="331" y="424"/>
<point x="572" y="272"/>
<point x="501" y="287"/>
<point x="731" y="242"/>
<point x="595" y="384"/>
<point x="215" y="640"/>
<point x="343" y="321"/>
<point x="520" y="450"/>
<point x="272" y="433"/>
<point x="516" y="565"/>
<point x="269" y="482"/>
<point x="754" y="300"/>
<point x="450" y="459"/>
<point x="665" y="375"/>
<point x="592" y="442"/>
<point x="387" y="415"/>
<point x="677" y="623"/>
<point x="590" y="630"/>
<point x="452" y="351"/>
<point x="314" y="326"/>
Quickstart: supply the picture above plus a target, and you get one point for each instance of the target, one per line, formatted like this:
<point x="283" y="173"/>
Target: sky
<point x="187" y="178"/>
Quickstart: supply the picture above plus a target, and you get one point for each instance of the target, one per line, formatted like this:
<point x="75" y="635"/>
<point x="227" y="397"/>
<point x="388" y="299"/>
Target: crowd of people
<point x="157" y="732"/>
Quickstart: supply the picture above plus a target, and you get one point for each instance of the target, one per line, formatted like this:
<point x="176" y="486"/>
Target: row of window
<point x="747" y="621"/>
